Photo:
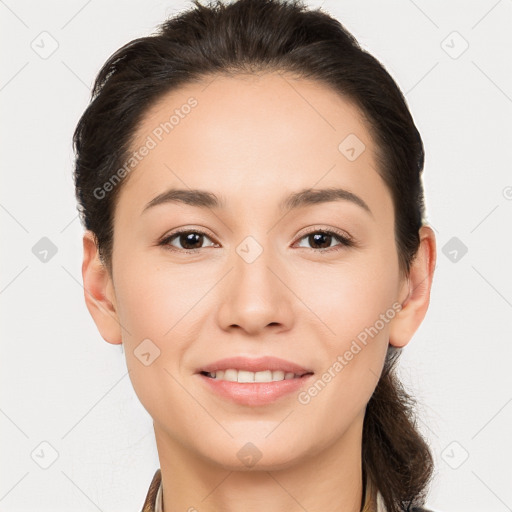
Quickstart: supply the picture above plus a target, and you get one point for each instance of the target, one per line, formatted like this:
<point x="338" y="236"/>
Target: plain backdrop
<point x="73" y="434"/>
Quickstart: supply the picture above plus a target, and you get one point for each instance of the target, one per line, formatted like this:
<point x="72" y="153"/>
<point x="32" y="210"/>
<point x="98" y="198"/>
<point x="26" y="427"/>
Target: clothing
<point x="154" y="503"/>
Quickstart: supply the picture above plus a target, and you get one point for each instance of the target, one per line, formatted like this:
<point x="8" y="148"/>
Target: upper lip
<point x="254" y="365"/>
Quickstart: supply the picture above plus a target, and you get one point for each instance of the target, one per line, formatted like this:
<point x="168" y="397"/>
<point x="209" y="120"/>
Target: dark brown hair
<point x="252" y="36"/>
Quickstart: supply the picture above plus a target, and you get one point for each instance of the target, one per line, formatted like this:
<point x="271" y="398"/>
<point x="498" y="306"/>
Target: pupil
<point x="317" y="237"/>
<point x="189" y="239"/>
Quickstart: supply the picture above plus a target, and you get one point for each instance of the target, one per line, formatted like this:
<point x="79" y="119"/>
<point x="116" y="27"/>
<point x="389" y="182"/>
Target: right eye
<point x="186" y="238"/>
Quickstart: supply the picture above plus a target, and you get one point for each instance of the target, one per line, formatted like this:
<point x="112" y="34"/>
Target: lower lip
<point x="260" y="393"/>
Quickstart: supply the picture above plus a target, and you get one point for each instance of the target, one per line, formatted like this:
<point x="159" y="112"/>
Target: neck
<point x="328" y="479"/>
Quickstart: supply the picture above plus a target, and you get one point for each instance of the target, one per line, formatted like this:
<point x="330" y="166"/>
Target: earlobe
<point x="416" y="290"/>
<point x="99" y="292"/>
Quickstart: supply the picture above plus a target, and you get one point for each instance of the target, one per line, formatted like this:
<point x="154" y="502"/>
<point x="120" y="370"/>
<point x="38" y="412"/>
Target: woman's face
<point x="254" y="280"/>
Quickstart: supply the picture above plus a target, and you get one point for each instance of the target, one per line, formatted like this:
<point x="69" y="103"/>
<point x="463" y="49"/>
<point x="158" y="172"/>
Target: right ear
<point x="99" y="292"/>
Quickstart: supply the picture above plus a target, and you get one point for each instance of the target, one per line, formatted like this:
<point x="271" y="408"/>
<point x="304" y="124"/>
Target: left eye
<point x="324" y="238"/>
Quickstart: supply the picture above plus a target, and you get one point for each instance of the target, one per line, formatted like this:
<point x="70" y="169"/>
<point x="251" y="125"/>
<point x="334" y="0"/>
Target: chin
<point x="250" y="456"/>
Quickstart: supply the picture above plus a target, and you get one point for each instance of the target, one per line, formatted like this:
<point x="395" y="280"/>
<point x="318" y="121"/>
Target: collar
<point x="159" y="499"/>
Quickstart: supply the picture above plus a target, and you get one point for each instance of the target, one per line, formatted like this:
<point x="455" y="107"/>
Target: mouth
<point x="244" y="376"/>
<point x="244" y="370"/>
<point x="254" y="389"/>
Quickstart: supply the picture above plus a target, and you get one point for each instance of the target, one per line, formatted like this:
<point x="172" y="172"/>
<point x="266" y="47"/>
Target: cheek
<point x="356" y="309"/>
<point x="152" y="307"/>
<point x="349" y="297"/>
<point x="355" y="305"/>
<point x="152" y="301"/>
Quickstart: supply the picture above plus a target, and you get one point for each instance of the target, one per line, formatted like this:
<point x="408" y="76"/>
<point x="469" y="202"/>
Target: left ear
<point x="415" y="292"/>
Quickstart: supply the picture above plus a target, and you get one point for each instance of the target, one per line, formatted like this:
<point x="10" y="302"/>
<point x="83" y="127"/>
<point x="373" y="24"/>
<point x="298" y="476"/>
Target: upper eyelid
<point x="335" y="231"/>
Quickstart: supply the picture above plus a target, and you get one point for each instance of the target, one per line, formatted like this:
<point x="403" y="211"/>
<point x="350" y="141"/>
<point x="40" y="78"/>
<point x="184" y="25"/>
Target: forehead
<point x="252" y="135"/>
<point x="272" y="109"/>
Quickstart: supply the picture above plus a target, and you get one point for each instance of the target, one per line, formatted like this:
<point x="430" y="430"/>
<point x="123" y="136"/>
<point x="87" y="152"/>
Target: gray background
<point x="72" y="432"/>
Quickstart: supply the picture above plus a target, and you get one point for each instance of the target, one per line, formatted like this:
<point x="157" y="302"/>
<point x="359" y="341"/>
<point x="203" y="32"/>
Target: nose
<point x="255" y="295"/>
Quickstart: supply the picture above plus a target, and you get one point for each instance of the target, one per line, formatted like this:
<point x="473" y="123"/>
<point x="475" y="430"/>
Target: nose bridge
<point x="254" y="297"/>
<point x="252" y="260"/>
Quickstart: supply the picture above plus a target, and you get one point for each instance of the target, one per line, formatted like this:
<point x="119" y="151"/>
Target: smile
<point x="233" y="375"/>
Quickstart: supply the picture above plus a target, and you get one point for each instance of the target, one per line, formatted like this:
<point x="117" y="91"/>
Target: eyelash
<point x="345" y="241"/>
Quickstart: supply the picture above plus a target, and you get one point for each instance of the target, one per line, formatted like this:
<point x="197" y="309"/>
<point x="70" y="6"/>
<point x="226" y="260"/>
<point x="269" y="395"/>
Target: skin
<point x="253" y="140"/>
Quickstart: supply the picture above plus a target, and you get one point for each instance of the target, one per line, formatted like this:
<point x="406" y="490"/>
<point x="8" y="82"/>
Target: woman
<point x="250" y="183"/>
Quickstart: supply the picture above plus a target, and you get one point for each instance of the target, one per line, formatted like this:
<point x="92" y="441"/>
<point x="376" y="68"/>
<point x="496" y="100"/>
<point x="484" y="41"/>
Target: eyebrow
<point x="300" y="199"/>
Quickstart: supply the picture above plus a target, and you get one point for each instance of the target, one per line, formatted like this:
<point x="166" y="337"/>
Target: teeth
<point x="244" y="376"/>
